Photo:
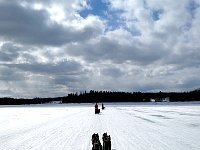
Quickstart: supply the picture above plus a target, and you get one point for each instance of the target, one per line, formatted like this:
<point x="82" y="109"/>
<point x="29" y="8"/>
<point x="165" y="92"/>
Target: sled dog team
<point x="96" y="144"/>
<point x="97" y="110"/>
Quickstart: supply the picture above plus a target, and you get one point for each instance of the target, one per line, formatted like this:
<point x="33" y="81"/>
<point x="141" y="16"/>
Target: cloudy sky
<point x="51" y="48"/>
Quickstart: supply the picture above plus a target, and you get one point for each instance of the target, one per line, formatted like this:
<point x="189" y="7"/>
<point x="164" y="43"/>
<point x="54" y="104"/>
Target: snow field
<point x="70" y="127"/>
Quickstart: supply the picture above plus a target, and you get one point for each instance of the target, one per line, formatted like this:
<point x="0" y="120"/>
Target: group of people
<point x="96" y="106"/>
<point x="97" y="110"/>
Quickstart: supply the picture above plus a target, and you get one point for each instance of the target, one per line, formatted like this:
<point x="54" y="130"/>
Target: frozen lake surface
<point x="70" y="126"/>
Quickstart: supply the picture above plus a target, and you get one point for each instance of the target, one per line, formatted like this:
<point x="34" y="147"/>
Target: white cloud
<point x="47" y="46"/>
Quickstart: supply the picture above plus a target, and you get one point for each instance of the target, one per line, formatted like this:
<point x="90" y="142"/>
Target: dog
<point x="96" y="144"/>
<point x="106" y="142"/>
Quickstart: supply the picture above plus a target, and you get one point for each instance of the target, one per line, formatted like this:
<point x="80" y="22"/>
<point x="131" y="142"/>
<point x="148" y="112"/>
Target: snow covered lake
<point x="70" y="126"/>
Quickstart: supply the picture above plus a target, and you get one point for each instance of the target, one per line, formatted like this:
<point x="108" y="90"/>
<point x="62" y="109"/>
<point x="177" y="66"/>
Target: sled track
<point x="71" y="127"/>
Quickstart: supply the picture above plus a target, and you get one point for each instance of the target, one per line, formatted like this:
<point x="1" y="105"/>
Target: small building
<point x="166" y="99"/>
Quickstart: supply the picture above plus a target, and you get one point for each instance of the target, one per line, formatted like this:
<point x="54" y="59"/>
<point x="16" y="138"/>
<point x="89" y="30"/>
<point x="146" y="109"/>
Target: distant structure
<point x="166" y="99"/>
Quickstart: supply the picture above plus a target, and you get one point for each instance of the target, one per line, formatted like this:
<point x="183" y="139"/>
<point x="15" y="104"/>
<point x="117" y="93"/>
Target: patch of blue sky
<point x="187" y="26"/>
<point x="133" y="31"/>
<point x="113" y="19"/>
<point x="192" y="6"/>
<point x="101" y="9"/>
<point x="97" y="7"/>
<point x="156" y="14"/>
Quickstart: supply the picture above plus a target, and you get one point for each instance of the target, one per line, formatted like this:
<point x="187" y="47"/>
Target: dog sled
<point x="97" y="110"/>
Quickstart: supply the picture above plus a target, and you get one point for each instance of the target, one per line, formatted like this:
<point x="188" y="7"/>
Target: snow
<point x="132" y="126"/>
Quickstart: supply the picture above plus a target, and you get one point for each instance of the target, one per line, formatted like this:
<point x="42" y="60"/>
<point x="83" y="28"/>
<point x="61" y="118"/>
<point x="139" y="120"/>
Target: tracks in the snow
<point x="131" y="127"/>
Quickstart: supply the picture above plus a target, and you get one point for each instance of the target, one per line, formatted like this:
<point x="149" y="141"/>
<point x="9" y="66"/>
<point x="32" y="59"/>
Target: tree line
<point x="108" y="96"/>
<point x="23" y="101"/>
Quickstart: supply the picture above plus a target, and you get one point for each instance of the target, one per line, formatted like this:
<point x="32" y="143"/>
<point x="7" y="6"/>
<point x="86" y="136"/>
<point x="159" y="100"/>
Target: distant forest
<point x="107" y="96"/>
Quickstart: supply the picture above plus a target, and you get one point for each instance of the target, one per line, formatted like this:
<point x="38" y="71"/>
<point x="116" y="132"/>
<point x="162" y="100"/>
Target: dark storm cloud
<point x="112" y="50"/>
<point x="65" y="79"/>
<point x="66" y="67"/>
<point x="186" y="58"/>
<point x="29" y="26"/>
<point x="190" y="83"/>
<point x="8" y="56"/>
<point x="36" y="79"/>
<point x="77" y="81"/>
<point x="8" y="52"/>
<point x="112" y="72"/>
<point x="154" y="86"/>
<point x="7" y="74"/>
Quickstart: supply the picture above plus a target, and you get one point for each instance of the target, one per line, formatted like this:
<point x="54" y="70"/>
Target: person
<point x="103" y="106"/>
<point x="96" y="106"/>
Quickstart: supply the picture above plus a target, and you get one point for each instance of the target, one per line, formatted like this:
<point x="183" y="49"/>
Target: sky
<point x="52" y="48"/>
